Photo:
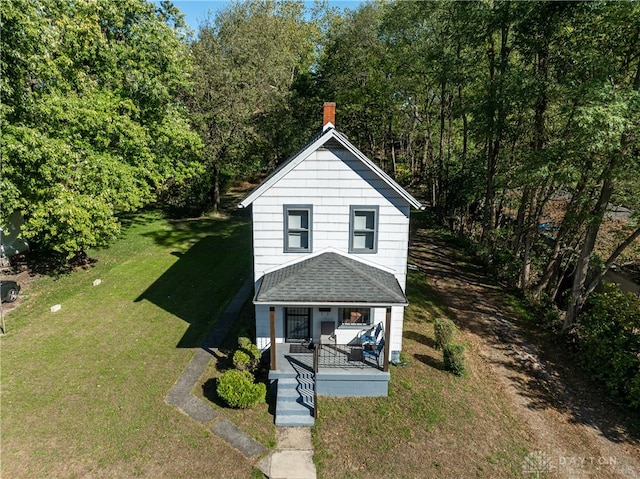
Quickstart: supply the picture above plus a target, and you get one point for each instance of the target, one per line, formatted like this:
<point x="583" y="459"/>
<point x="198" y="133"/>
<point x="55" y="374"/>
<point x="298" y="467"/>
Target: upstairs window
<point x="297" y="228"/>
<point x="363" y="229"/>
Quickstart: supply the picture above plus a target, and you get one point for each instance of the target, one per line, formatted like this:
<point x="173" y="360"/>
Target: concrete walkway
<point x="181" y="396"/>
<point x="293" y="456"/>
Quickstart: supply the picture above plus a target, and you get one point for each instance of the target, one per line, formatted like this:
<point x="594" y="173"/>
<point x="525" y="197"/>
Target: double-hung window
<point x="298" y="221"/>
<point x="363" y="229"/>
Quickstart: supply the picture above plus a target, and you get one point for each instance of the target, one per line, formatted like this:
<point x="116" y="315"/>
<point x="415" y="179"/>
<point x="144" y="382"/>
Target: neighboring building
<point x="330" y="241"/>
<point x="11" y="243"/>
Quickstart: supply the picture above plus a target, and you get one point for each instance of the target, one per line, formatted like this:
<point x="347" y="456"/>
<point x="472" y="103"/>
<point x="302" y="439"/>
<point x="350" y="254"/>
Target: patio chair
<point x="370" y="336"/>
<point x="373" y="353"/>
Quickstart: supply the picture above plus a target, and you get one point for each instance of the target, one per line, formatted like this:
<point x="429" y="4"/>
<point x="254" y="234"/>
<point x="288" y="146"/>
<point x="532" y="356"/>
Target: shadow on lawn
<point x="478" y="305"/>
<point x="197" y="287"/>
<point x="419" y="338"/>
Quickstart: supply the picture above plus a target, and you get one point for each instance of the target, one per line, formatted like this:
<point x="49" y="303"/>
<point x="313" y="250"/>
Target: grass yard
<point x="433" y="424"/>
<point x="258" y="421"/>
<point x="83" y="388"/>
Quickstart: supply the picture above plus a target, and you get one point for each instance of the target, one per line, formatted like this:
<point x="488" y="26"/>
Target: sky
<point x="196" y="11"/>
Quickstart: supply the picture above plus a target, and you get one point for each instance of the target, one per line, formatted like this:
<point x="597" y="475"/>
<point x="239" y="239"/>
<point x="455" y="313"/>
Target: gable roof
<point x="329" y="134"/>
<point x="330" y="278"/>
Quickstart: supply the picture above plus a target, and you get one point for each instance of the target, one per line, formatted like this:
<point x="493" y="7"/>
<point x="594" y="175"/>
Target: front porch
<point x="338" y="370"/>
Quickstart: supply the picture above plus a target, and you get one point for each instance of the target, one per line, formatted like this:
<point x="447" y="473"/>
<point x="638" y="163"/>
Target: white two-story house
<point x="330" y="240"/>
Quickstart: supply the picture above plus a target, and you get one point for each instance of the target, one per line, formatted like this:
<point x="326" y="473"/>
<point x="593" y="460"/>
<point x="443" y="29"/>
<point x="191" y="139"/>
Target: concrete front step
<point x="293" y="408"/>
<point x="294" y="421"/>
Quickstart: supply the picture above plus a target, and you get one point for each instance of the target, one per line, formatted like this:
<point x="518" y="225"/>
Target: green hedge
<point x="454" y="359"/>
<point x="444" y="332"/>
<point x="247" y="356"/>
<point x="238" y="390"/>
<point x="608" y="337"/>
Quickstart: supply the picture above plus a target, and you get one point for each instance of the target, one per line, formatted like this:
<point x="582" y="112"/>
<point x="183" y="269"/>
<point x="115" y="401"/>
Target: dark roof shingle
<point x="330" y="278"/>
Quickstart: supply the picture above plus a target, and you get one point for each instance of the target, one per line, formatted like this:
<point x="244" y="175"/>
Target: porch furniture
<point x="328" y="334"/>
<point x="373" y="353"/>
<point x="370" y="336"/>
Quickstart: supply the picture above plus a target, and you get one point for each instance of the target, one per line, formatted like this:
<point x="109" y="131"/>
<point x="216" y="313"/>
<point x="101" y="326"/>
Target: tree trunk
<point x="578" y="295"/>
<point x="607" y="265"/>
<point x="520" y="220"/>
<point x="216" y="189"/>
<point x="573" y="219"/>
<point x="525" y="274"/>
<point x="496" y="118"/>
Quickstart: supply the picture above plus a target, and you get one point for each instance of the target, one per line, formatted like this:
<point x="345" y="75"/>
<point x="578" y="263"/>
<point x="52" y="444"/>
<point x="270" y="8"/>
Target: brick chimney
<point x="329" y="116"/>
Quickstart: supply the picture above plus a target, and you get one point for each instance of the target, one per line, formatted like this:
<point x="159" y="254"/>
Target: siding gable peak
<point x="333" y="137"/>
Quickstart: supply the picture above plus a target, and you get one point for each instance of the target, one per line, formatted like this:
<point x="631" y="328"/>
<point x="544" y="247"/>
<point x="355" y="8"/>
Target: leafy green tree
<point x="609" y="343"/>
<point x="91" y="126"/>
<point x="494" y="110"/>
<point x="246" y="62"/>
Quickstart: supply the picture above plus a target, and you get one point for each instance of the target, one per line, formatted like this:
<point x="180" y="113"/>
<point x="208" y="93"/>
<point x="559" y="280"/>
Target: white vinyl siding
<point x="331" y="181"/>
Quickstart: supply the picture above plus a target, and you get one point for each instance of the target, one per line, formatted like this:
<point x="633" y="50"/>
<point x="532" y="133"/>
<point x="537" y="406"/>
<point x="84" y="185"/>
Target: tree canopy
<point x="91" y="124"/>
<point x="507" y="116"/>
<point x="516" y="121"/>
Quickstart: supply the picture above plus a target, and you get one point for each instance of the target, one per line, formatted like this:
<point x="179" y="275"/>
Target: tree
<point x="91" y="128"/>
<point x="246" y="62"/>
<point x="497" y="111"/>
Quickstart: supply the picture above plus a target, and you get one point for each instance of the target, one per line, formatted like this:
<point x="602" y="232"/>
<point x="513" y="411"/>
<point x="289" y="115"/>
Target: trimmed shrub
<point x="238" y="390"/>
<point x="241" y="360"/>
<point x="608" y="337"/>
<point x="247" y="356"/>
<point x="453" y="358"/>
<point x="444" y="330"/>
<point x="253" y="351"/>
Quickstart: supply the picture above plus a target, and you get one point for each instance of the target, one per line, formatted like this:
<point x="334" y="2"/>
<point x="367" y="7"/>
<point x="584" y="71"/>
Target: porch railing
<point x="316" y="355"/>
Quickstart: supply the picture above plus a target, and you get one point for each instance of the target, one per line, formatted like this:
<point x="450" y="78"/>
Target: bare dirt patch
<point x="575" y="432"/>
<point x="23" y="277"/>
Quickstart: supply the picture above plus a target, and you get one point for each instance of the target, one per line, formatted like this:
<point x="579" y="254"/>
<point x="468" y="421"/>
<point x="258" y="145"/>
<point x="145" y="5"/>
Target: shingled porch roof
<point x="330" y="278"/>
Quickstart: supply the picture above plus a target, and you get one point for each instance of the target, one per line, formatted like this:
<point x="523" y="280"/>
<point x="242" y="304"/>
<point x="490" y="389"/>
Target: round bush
<point x="241" y="359"/>
<point x="253" y="351"/>
<point x="238" y="390"/>
<point x="453" y="357"/>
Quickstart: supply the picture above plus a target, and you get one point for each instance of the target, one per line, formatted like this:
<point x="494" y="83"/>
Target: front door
<point x="297" y="324"/>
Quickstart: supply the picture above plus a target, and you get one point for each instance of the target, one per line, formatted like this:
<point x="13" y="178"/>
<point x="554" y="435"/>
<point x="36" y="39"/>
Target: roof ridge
<point x="341" y="138"/>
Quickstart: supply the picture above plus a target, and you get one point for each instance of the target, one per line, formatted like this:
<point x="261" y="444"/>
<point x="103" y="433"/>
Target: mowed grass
<point x="433" y="424"/>
<point x="83" y="388"/>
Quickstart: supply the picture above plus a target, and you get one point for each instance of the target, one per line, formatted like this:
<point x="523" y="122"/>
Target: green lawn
<point x="432" y="425"/>
<point x="83" y="388"/>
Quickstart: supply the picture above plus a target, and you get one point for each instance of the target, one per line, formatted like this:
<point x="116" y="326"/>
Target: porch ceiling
<point x="330" y="278"/>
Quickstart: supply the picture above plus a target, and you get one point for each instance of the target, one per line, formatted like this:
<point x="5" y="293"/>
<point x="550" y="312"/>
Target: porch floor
<point x="332" y="359"/>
